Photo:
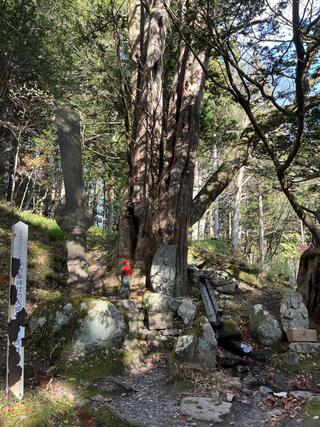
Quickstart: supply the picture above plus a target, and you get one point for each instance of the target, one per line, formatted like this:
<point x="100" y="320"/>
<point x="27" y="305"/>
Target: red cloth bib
<point x="126" y="270"/>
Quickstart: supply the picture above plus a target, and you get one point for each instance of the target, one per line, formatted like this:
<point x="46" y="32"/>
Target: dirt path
<point x="155" y="401"/>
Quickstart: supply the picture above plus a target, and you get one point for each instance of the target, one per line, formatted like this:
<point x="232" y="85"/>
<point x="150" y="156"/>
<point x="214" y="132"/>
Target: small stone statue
<point x="294" y="314"/>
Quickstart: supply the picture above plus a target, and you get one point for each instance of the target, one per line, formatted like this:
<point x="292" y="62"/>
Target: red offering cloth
<point x="126" y="270"/>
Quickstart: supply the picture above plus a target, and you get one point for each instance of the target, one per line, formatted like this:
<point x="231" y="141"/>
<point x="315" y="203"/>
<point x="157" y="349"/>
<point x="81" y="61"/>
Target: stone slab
<point x="160" y="321"/>
<point x="204" y="409"/>
<point x="305" y="347"/>
<point x="303" y="335"/>
<point x="163" y="270"/>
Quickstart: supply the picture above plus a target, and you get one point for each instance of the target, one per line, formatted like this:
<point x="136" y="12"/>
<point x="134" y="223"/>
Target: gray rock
<point x="229" y="287"/>
<point x="230" y="397"/>
<point x="157" y="302"/>
<point x="138" y="329"/>
<point x="102" y="328"/>
<point x="159" y="321"/>
<point x="301" y="394"/>
<point x="199" y="347"/>
<point x="305" y="347"/>
<point x="204" y="409"/>
<point x="291" y="358"/>
<point x="170" y="332"/>
<point x="294" y="314"/>
<point x="265" y="390"/>
<point x="187" y="311"/>
<point x="132" y="309"/>
<point x="278" y="382"/>
<point x="194" y="274"/>
<point x="70" y="331"/>
<point x="184" y="348"/>
<point x="264" y="327"/>
<point x="233" y="383"/>
<point x="205" y="353"/>
<point x="163" y="270"/>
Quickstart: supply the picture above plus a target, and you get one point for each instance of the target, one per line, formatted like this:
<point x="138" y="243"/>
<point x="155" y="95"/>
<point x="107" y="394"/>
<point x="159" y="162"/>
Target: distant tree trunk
<point x="236" y="211"/>
<point x="217" y="220"/>
<point x="13" y="171"/>
<point x="262" y="242"/>
<point x="25" y="190"/>
<point x="302" y="232"/>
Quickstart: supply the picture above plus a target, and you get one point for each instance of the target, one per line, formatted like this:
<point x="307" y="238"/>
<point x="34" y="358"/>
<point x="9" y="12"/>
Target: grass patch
<point x="211" y="247"/>
<point x="38" y="410"/>
<point x="312" y="407"/>
<point x="48" y="226"/>
<point x="104" y="417"/>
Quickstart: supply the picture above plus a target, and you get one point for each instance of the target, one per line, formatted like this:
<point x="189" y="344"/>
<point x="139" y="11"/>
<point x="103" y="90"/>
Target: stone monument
<point x="163" y="270"/>
<point x="71" y="214"/>
<point x="294" y="314"/>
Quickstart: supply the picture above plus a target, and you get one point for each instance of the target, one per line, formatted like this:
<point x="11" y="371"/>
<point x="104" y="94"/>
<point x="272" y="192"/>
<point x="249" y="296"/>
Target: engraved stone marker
<point x="17" y="313"/>
<point x="72" y="215"/>
<point x="163" y="270"/>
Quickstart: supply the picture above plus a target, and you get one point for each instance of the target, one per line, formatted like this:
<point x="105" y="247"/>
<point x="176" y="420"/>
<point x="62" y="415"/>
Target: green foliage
<point x="212" y="246"/>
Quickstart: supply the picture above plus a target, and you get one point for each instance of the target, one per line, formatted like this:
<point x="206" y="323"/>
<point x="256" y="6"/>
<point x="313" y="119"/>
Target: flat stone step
<point x="305" y="347"/>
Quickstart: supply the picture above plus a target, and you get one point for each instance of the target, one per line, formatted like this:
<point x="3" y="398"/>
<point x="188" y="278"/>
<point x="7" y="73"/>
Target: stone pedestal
<point x="75" y="223"/>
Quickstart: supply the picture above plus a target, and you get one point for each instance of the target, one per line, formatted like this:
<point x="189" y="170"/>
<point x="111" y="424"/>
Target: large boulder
<point x="264" y="327"/>
<point x="76" y="327"/>
<point x="163" y="270"/>
<point x="199" y="346"/>
<point x="294" y="314"/>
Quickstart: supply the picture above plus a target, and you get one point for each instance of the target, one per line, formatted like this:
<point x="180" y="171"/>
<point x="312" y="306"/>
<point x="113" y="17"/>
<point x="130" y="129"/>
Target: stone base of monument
<point x="305" y="347"/>
<point x="302" y="335"/>
<point x="159" y="321"/>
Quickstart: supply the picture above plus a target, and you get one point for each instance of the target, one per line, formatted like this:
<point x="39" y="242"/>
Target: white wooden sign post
<point x="17" y="312"/>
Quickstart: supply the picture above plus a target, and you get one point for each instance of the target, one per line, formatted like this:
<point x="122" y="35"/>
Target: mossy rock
<point x="230" y="330"/>
<point x="308" y="364"/>
<point x="84" y="372"/>
<point x="265" y="329"/>
<point x="249" y="278"/>
<point x="197" y="346"/>
<point x="73" y="327"/>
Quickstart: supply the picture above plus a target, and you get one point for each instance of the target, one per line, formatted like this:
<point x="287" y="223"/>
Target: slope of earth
<point x="46" y="281"/>
<point x="252" y="385"/>
<point x="150" y="392"/>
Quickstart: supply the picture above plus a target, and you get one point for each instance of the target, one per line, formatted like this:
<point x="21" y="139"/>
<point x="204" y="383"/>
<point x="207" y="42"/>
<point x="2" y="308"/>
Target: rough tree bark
<point x="159" y="195"/>
<point x="236" y="211"/>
